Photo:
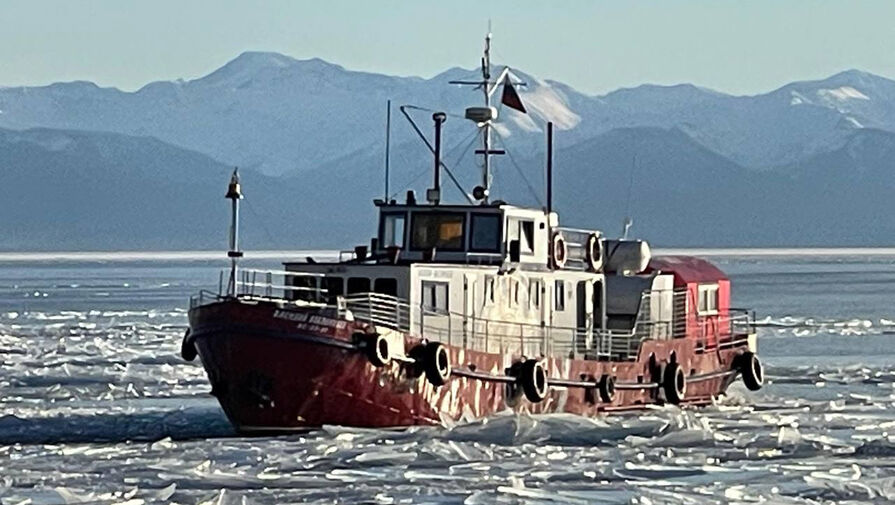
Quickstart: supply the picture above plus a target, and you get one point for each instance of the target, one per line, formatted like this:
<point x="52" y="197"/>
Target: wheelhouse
<point x="468" y="234"/>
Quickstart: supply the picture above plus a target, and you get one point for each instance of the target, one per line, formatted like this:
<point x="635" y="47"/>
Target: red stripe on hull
<point x="270" y="373"/>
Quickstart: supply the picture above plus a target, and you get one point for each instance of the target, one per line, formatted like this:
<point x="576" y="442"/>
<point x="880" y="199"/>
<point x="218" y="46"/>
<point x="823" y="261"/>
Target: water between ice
<point x="96" y="406"/>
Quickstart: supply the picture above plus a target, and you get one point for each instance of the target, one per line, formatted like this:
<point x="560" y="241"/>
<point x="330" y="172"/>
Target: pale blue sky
<point x="741" y="47"/>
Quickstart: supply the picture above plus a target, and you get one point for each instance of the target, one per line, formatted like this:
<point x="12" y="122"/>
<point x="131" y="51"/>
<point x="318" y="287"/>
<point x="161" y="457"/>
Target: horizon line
<point x="276" y="254"/>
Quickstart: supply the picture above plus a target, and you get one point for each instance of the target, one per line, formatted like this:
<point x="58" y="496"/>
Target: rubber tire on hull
<point x="188" y="347"/>
<point x="674" y="383"/>
<point x="606" y="387"/>
<point x="533" y="378"/>
<point x="751" y="370"/>
<point x="436" y="363"/>
<point x="377" y="350"/>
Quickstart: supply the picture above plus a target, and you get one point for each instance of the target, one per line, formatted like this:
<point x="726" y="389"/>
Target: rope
<point x="433" y="111"/>
<point x="428" y="170"/>
<point x="519" y="170"/>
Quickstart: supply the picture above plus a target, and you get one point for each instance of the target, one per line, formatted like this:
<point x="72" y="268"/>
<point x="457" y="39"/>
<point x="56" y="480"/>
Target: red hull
<point x="271" y="373"/>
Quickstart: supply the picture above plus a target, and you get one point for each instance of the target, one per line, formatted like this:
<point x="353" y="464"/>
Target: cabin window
<point x="485" y="233"/>
<point x="435" y="297"/>
<point x="386" y="286"/>
<point x="440" y="230"/>
<point x="334" y="287"/>
<point x="305" y="288"/>
<point x="392" y="232"/>
<point x="534" y="293"/>
<point x="708" y="300"/>
<point x="527" y="237"/>
<point x="358" y="285"/>
<point x="559" y="296"/>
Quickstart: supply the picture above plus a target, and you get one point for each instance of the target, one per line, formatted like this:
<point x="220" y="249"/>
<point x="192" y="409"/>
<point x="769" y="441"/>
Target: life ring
<point x="188" y="347"/>
<point x="594" y="252"/>
<point x="377" y="349"/>
<point x="436" y="363"/>
<point x="533" y="379"/>
<point x="606" y="387"/>
<point x="674" y="383"/>
<point x="751" y="370"/>
<point x="559" y="251"/>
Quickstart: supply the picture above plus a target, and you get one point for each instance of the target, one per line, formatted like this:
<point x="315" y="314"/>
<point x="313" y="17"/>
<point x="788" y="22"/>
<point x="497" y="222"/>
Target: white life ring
<point x="559" y="251"/>
<point x="594" y="252"/>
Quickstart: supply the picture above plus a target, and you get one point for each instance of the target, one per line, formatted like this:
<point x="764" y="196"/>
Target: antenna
<point x="486" y="130"/>
<point x="234" y="194"/>
<point x="629" y="222"/>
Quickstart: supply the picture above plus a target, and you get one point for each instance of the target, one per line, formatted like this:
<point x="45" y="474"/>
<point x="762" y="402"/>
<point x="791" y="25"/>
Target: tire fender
<point x="436" y="363"/>
<point x="674" y="383"/>
<point x="533" y="379"/>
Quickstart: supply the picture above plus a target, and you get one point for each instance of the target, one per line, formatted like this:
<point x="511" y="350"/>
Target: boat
<point x="459" y="311"/>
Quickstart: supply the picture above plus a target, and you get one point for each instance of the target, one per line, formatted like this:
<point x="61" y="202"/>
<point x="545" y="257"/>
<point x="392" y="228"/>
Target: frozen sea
<point x="97" y="406"/>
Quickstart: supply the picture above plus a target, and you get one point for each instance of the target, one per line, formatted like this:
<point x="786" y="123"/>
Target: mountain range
<point x="97" y="168"/>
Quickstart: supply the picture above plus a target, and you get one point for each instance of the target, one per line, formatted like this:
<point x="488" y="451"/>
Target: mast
<point x="486" y="131"/>
<point x="234" y="194"/>
<point x="484" y="116"/>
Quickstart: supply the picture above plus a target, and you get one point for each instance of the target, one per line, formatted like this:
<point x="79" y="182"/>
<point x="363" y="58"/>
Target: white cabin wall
<point x="541" y="239"/>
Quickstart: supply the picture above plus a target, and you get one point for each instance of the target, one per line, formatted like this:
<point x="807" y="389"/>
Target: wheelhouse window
<point x="441" y="230"/>
<point x="391" y="232"/>
<point x="435" y="297"/>
<point x="485" y="233"/>
<point x="708" y="300"/>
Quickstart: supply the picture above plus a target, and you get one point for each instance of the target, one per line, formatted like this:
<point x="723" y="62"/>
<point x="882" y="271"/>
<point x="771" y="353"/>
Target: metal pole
<point x="388" y="131"/>
<point x="549" y="168"/>
<point x="439" y="118"/>
<point x="234" y="194"/>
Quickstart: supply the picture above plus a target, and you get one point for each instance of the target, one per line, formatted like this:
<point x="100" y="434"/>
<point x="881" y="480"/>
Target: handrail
<point x="493" y="335"/>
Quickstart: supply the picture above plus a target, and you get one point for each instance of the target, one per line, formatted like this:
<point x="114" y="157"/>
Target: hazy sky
<point x="746" y="46"/>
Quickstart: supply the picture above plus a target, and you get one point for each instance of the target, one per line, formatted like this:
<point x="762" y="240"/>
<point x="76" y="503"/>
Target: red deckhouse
<point x="461" y="311"/>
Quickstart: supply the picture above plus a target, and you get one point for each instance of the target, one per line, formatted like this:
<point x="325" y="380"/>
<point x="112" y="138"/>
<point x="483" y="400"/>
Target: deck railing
<point x="501" y="336"/>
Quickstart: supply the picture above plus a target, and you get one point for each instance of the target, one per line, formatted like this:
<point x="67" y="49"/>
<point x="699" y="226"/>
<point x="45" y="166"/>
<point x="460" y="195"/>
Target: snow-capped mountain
<point x="261" y="110"/>
<point x="97" y="168"/>
<point x="282" y="115"/>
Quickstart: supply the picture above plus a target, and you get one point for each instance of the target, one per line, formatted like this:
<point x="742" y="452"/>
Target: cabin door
<point x="599" y="320"/>
<point x="584" y="323"/>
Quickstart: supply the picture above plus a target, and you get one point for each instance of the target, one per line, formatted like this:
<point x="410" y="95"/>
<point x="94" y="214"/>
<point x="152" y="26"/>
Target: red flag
<point x="510" y="98"/>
